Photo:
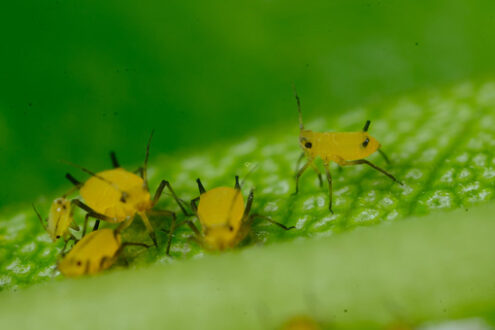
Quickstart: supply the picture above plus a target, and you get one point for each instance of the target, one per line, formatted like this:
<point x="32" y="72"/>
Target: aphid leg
<point x="264" y="217"/>
<point x="159" y="191"/>
<point x="86" y="220"/>
<point x="237" y="185"/>
<point x="298" y="163"/>
<point x="200" y="186"/>
<point x="39" y="217"/>
<point x="85" y="227"/>
<point x="172" y="226"/>
<point x="317" y="170"/>
<point x="113" y="158"/>
<point x="92" y="212"/>
<point x="66" y="241"/>
<point x="330" y="188"/>
<point x="171" y="234"/>
<point x="364" y="161"/>
<point x="194" y="204"/>
<point x="249" y="204"/>
<point x="299" y="173"/>
<point x="148" y="226"/>
<point x="96" y="225"/>
<point x="384" y="156"/>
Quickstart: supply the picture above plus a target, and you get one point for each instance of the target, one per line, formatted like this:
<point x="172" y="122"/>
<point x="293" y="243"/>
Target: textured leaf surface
<point x="440" y="142"/>
<point x="436" y="268"/>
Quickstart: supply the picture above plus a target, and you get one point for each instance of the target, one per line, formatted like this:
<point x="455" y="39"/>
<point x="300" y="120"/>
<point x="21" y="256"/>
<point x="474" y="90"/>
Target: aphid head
<point x="138" y="198"/>
<point x="59" y="218"/>
<point x="71" y="266"/>
<point x="307" y="141"/>
<point x="367" y="143"/>
<point x="219" y="237"/>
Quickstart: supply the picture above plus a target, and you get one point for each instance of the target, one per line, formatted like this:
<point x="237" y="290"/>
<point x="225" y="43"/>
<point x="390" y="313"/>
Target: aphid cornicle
<point x="225" y="219"/>
<point x="94" y="253"/>
<point x="60" y="219"/>
<point x="343" y="148"/>
<point x="117" y="195"/>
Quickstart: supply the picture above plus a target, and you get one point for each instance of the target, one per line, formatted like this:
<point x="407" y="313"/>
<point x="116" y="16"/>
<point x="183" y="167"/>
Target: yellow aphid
<point x="59" y="219"/>
<point x="343" y="148"/>
<point x="117" y="195"/>
<point x="94" y="253"/>
<point x="301" y="322"/>
<point x="225" y="218"/>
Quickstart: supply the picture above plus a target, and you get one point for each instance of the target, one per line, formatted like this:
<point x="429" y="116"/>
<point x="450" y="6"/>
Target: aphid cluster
<point x="117" y="195"/>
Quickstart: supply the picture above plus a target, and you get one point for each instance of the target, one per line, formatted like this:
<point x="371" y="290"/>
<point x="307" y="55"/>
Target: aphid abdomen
<point x="216" y="207"/>
<point x="111" y="198"/>
<point x="92" y="254"/>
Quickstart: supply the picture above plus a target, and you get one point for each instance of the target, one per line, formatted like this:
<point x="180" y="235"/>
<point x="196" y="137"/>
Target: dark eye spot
<point x="231" y="228"/>
<point x="64" y="207"/>
<point x="308" y="145"/>
<point x="79" y="263"/>
<point x="59" y="201"/>
<point x="58" y="236"/>
<point x="365" y="143"/>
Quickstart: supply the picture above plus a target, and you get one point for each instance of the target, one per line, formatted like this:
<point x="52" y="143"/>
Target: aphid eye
<point x="231" y="228"/>
<point x="308" y="145"/>
<point x="79" y="263"/>
<point x="59" y="201"/>
<point x="58" y="236"/>
<point x="365" y="143"/>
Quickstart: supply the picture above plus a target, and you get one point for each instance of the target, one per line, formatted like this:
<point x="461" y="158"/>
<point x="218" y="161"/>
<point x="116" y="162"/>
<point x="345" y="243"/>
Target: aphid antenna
<point x="366" y="126"/>
<point x="238" y="191"/>
<point x="147" y="155"/>
<point x="301" y="125"/>
<point x="85" y="170"/>
<point x="39" y="217"/>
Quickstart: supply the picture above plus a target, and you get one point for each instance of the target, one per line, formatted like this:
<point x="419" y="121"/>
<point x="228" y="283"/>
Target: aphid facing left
<point x="343" y="148"/>
<point x="117" y="195"/>
<point x="94" y="253"/>
<point x="225" y="220"/>
<point x="60" y="219"/>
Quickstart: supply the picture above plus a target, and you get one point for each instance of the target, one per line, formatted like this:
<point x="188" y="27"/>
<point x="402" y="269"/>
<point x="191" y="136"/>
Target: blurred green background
<point x="81" y="78"/>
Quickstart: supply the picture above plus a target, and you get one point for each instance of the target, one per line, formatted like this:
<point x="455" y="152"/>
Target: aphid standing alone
<point x="225" y="219"/>
<point x="60" y="219"/>
<point x="94" y="253"/>
<point x="343" y="148"/>
<point x="117" y="195"/>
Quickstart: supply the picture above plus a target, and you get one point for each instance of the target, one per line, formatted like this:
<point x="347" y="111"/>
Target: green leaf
<point x="437" y="267"/>
<point x="441" y="144"/>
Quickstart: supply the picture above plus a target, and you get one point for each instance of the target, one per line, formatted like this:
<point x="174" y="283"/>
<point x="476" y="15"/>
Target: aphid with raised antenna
<point x="225" y="219"/>
<point x="117" y="195"/>
<point x="343" y="148"/>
